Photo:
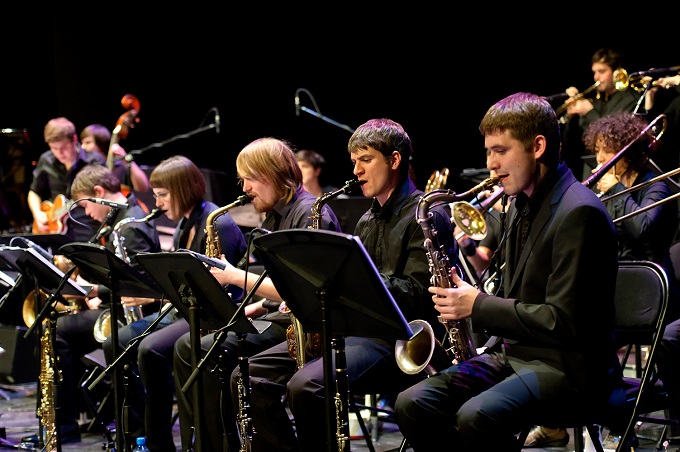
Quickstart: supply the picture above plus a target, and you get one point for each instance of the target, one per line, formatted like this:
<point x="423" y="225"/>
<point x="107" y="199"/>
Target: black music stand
<point x="202" y="300"/>
<point x="332" y="286"/>
<point x="49" y="279"/>
<point x="102" y="265"/>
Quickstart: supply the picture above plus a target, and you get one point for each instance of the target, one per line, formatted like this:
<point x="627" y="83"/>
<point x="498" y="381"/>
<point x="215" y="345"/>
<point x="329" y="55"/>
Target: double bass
<point x="125" y="122"/>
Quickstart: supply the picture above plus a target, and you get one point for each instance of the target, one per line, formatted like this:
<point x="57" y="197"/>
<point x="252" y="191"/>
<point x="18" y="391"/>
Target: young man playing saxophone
<point x="380" y="150"/>
<point x="544" y="355"/>
<point x="271" y="177"/>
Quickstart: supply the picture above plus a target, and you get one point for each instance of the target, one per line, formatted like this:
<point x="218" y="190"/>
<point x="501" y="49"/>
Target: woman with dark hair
<point x="179" y="189"/>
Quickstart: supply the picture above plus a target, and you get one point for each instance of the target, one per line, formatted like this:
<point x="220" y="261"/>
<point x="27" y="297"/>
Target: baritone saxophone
<point x="415" y="354"/>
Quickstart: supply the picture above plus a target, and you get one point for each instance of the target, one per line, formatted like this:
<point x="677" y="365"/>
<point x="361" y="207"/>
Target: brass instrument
<point x="414" y="355"/>
<point x="46" y="380"/>
<point x="640" y="81"/>
<point x="602" y="170"/>
<point x="621" y="83"/>
<point x="102" y="326"/>
<point x="437" y="180"/>
<point x="28" y="307"/>
<point x="470" y="218"/>
<point x="212" y="243"/>
<point x="302" y="345"/>
<point x="214" y="250"/>
<point x="639" y="186"/>
<point x="28" y="311"/>
<point x="559" y="111"/>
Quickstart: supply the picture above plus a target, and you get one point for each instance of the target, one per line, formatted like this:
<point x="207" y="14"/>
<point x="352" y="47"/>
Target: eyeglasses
<point x="161" y="195"/>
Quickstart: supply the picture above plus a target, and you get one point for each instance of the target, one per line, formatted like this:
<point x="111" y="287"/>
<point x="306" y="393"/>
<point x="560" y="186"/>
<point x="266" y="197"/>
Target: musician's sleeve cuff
<point x="271" y="305"/>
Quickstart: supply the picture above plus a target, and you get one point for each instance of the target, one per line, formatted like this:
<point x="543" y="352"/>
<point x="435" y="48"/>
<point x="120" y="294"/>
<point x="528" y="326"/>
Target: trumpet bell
<point x="468" y="219"/>
<point x="414" y="355"/>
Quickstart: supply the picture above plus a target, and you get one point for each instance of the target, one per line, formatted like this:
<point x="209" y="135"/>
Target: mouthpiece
<point x="352" y="185"/>
<point x="155" y="213"/>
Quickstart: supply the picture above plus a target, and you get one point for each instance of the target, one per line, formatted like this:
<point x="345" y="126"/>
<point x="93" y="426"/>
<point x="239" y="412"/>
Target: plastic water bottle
<point x="141" y="445"/>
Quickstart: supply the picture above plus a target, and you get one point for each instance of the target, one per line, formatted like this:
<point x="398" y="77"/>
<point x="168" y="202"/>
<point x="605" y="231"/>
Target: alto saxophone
<point x="102" y="326"/>
<point x="461" y="346"/>
<point x="302" y="345"/>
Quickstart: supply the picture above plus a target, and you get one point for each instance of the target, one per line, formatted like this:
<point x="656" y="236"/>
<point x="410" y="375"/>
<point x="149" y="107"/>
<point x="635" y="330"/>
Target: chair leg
<point x="362" y="425"/>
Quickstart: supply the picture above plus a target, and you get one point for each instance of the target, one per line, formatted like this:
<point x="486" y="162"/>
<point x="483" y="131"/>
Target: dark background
<point x="435" y="75"/>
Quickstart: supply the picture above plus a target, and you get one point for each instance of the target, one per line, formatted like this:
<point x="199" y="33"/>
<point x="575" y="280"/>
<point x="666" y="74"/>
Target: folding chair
<point x="641" y="299"/>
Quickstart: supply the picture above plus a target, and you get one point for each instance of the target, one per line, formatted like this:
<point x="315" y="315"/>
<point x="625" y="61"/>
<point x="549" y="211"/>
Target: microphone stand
<point x="318" y="114"/>
<point x="129" y="157"/>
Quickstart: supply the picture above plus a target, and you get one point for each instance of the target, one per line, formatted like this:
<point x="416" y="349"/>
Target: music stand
<point x="332" y="286"/>
<point x="202" y="300"/>
<point x="102" y="265"/>
<point x="49" y="279"/>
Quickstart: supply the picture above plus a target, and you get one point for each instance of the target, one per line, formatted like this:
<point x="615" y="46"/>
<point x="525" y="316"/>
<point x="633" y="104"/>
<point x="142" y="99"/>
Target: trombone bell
<point x="468" y="219"/>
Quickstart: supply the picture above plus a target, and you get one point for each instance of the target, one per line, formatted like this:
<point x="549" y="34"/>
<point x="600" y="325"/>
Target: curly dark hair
<point x="619" y="130"/>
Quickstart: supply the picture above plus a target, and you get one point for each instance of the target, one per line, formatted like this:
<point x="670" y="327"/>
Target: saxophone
<point x="212" y="242"/>
<point x="46" y="379"/>
<point x="102" y="326"/>
<point x="461" y="346"/>
<point x="302" y="345"/>
<point x="214" y="250"/>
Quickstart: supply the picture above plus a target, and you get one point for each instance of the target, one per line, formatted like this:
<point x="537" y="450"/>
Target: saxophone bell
<point x="414" y="355"/>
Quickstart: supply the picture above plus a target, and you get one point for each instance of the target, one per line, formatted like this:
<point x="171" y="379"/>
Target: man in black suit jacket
<point x="551" y="346"/>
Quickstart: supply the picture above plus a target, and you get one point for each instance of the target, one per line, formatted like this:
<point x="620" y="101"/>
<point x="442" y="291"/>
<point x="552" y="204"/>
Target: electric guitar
<point x="56" y="215"/>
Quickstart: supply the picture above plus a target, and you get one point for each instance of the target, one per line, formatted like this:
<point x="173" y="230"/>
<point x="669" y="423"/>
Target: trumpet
<point x="621" y="83"/>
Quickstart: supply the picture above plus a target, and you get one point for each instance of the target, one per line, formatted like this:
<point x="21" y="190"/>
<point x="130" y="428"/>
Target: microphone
<point x="106" y="202"/>
<point x="217" y="121"/>
<point x="297" y="104"/>
<point x="662" y="72"/>
<point x="43" y="252"/>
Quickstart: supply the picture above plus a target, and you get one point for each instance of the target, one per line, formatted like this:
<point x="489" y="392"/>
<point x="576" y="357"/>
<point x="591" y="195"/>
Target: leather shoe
<point x="540" y="436"/>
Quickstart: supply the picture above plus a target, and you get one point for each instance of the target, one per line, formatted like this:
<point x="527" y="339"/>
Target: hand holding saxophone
<point x="454" y="303"/>
<point x="228" y="275"/>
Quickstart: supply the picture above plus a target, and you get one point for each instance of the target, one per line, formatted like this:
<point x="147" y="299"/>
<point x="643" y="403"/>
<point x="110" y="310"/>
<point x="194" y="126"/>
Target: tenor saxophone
<point x="212" y="242"/>
<point x="214" y="250"/>
<point x="460" y="344"/>
<point x="303" y="345"/>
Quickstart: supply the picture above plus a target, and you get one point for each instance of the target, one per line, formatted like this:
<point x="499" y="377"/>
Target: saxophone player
<point x="551" y="339"/>
<point x="379" y="151"/>
<point x="179" y="189"/>
<point x="271" y="177"/>
<point x="74" y="336"/>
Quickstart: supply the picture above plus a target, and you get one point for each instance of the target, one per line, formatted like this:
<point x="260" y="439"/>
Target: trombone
<point x="639" y="186"/>
<point x="597" y="175"/>
<point x="639" y="83"/>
